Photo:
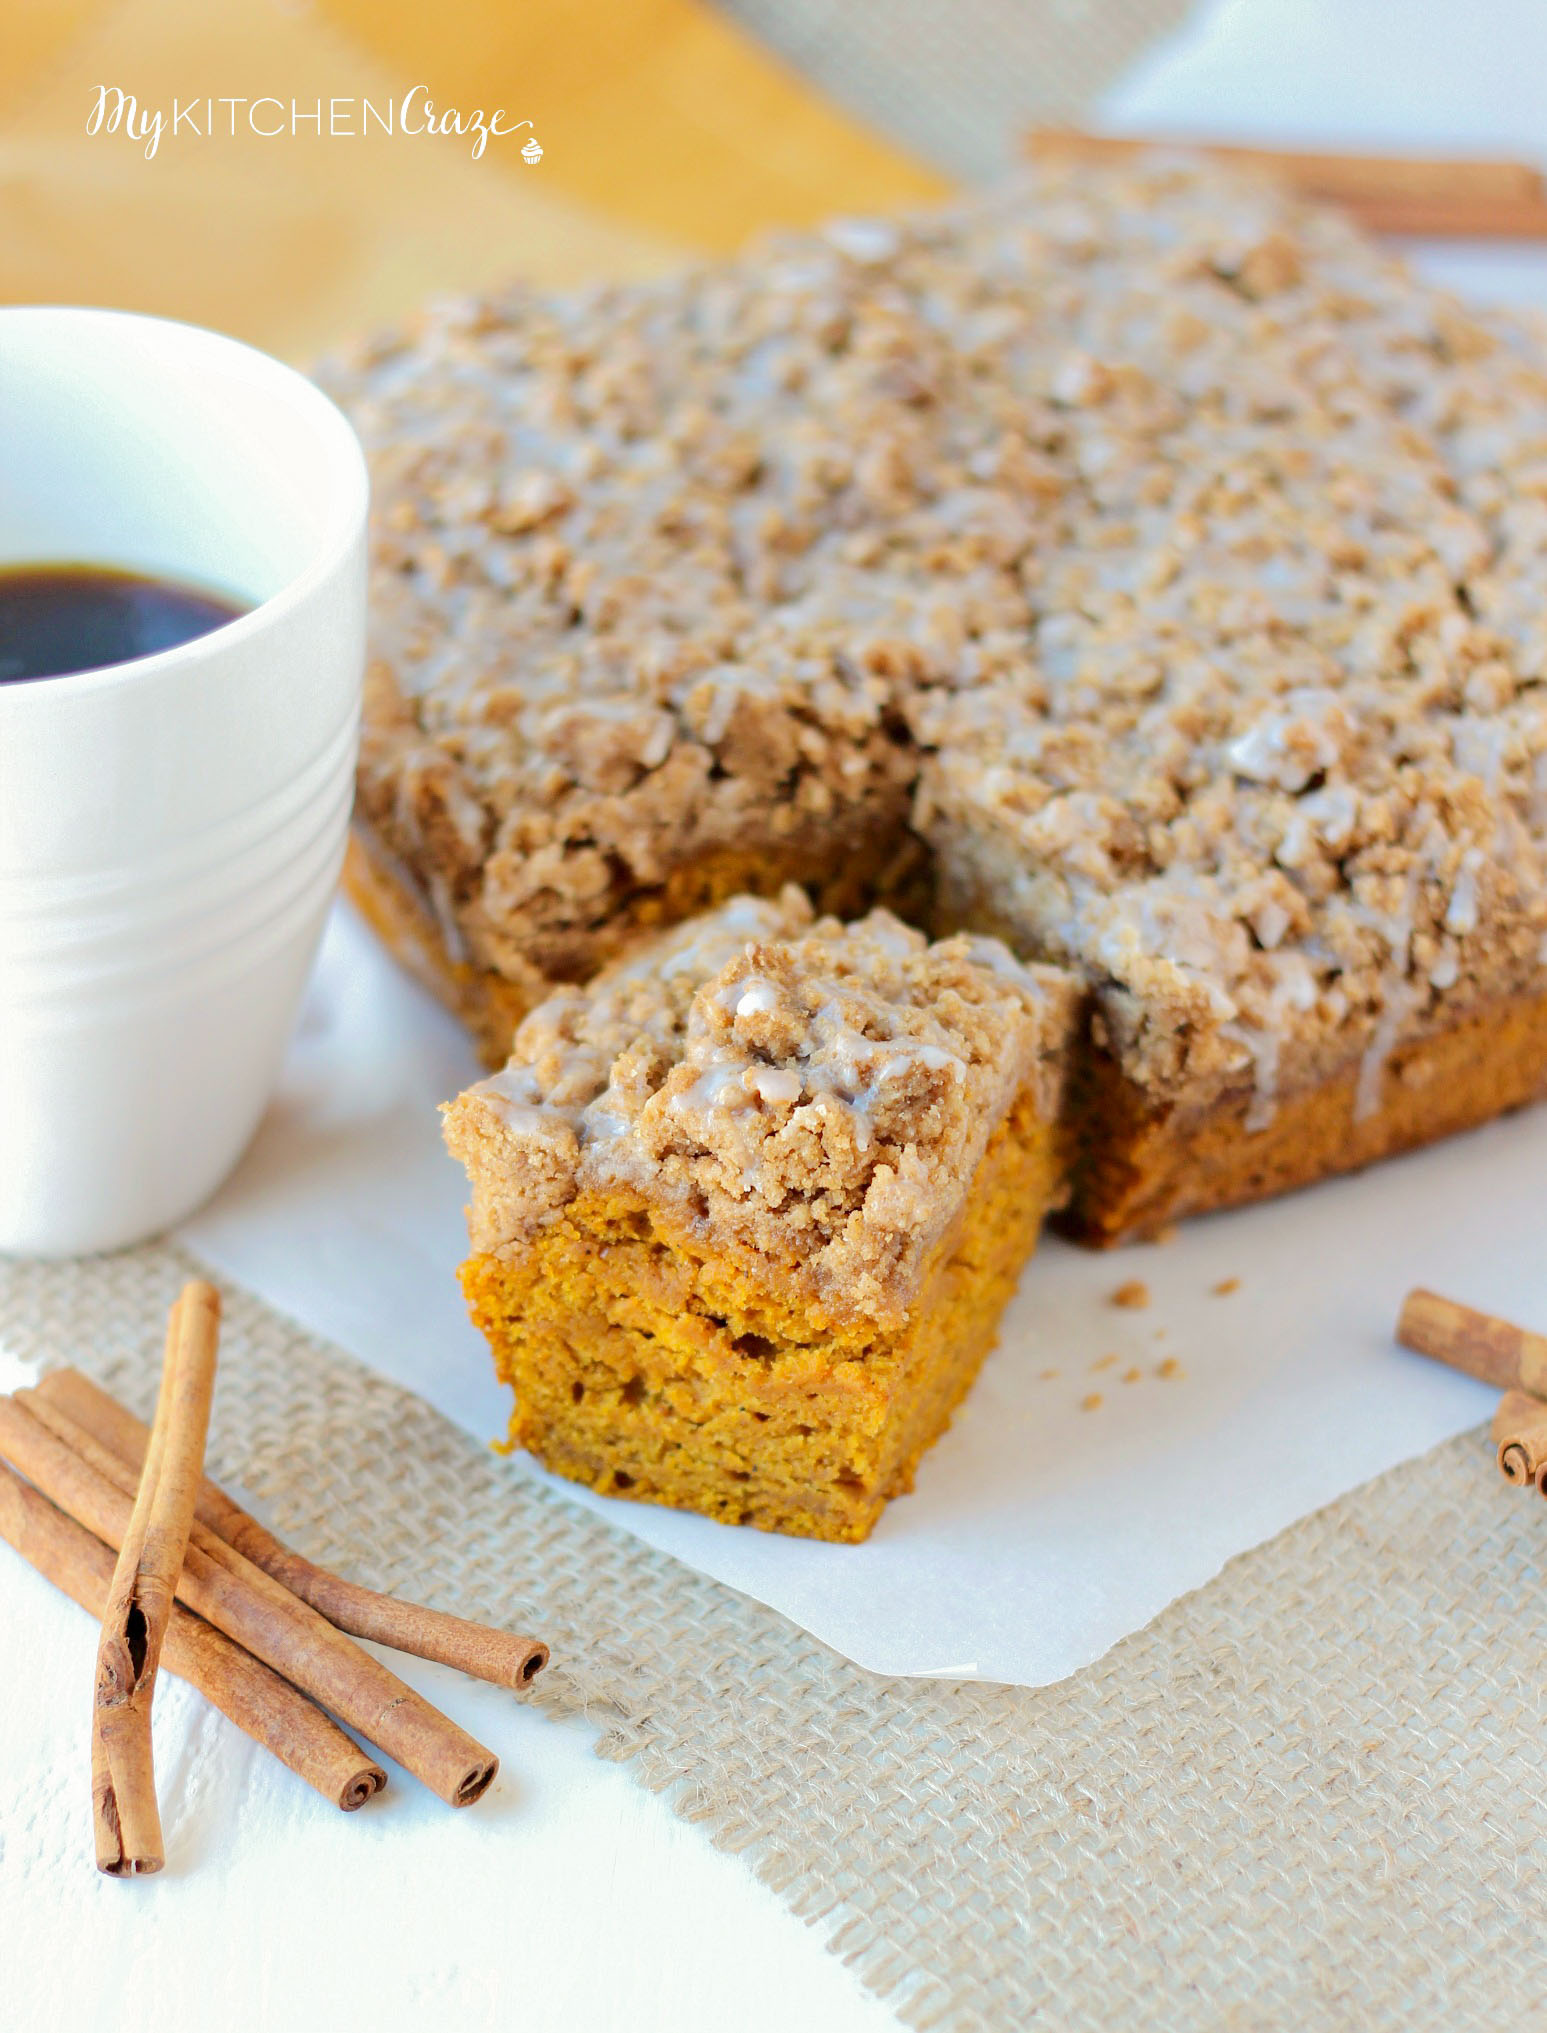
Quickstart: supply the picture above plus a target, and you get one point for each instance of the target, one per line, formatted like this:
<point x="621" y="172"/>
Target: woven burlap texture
<point x="1306" y="1796"/>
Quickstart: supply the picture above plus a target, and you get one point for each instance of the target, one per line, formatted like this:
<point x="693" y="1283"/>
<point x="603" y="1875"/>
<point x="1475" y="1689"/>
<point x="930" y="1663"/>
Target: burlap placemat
<point x="1305" y="1796"/>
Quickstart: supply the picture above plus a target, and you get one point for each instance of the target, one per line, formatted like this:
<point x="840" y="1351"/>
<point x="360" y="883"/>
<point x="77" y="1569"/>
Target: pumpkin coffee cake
<point x="746" y="1210"/>
<point x="1177" y="553"/>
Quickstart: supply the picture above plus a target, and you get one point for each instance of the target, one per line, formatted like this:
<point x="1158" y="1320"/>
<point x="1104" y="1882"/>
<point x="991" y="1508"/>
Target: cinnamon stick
<point x="1451" y="218"/>
<point x="270" y="1711"/>
<point x="90" y="1483"/>
<point x="138" y="1609"/>
<point x="1496" y="1351"/>
<point x="501" y="1657"/>
<point x="1520" y="1437"/>
<point x="1465" y="197"/>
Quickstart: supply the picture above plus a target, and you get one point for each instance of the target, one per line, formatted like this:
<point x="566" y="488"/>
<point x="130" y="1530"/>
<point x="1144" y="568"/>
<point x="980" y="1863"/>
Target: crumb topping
<point x="1197" y="545"/>
<point x="814" y="1095"/>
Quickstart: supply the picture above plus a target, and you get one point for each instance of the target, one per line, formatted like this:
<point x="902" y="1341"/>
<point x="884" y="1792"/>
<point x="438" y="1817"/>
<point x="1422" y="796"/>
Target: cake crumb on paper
<point x="1092" y="1402"/>
<point x="1104" y="1362"/>
<point x="1048" y="1375"/>
<point x="1134" y="1295"/>
<point x="1132" y="1376"/>
<point x="1169" y="1368"/>
<point x="1225" y="1287"/>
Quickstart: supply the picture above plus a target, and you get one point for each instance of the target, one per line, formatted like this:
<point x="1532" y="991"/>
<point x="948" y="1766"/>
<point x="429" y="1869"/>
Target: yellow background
<point x="665" y="131"/>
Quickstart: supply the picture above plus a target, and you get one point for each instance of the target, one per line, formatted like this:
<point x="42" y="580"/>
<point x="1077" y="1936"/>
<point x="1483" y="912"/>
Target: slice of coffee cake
<point x="747" y="1209"/>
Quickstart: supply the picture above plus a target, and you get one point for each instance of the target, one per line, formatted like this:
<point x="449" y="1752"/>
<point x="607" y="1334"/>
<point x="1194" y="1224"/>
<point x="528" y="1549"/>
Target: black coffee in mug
<point x="60" y="618"/>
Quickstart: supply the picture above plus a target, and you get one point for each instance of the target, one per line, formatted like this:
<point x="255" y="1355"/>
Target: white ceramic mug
<point x="171" y="828"/>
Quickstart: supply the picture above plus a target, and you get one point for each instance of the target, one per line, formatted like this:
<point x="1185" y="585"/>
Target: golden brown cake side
<point x="745" y="1211"/>
<point x="395" y="908"/>
<point x="645" y="1366"/>
<point x="1137" y="1168"/>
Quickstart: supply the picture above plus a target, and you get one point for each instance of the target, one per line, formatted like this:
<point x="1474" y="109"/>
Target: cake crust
<point x="1136" y="1170"/>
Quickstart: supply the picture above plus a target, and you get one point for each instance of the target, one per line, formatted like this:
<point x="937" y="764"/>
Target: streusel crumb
<point x="810" y="1094"/>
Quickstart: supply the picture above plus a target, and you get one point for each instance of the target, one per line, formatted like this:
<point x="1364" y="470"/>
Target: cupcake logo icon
<point x="532" y="151"/>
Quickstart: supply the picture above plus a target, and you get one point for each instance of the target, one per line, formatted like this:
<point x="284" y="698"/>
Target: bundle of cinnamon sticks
<point x="262" y="1632"/>
<point x="1496" y="1352"/>
<point x="1427" y="197"/>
